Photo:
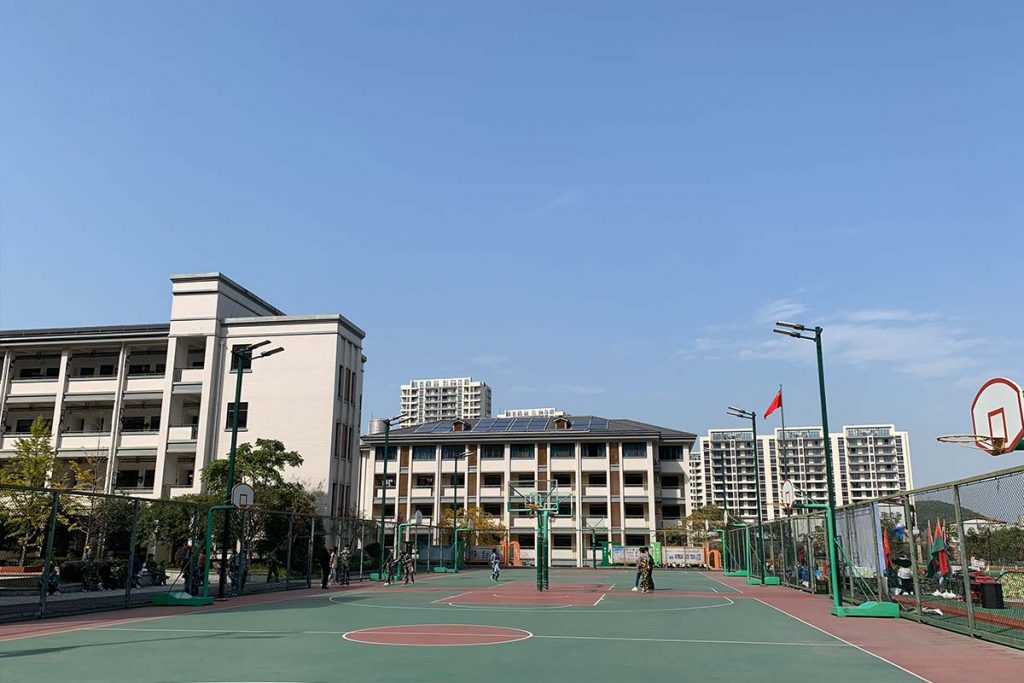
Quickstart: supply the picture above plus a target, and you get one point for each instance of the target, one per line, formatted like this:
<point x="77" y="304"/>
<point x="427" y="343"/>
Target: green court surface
<point x="589" y="624"/>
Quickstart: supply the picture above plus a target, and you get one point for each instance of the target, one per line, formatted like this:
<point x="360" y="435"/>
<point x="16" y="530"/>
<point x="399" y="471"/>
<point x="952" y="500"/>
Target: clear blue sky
<point x="598" y="206"/>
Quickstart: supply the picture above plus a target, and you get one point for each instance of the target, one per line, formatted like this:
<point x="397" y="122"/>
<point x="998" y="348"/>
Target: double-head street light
<point x="242" y="357"/>
<point x="384" y="491"/>
<point x="799" y="331"/>
<point x="455" y="509"/>
<point x="752" y="416"/>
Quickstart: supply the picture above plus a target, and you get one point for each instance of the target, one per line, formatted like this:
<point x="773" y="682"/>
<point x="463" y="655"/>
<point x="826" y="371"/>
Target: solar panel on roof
<point x="537" y="424"/>
<point x="424" y="428"/>
<point x="519" y="424"/>
<point x="501" y="424"/>
<point x="580" y="424"/>
<point x="599" y="423"/>
<point x="443" y="427"/>
<point x="484" y="425"/>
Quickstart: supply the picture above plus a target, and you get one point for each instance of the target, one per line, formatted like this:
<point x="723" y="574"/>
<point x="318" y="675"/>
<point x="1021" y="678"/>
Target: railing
<point x="914" y="549"/>
<point x="183" y="433"/>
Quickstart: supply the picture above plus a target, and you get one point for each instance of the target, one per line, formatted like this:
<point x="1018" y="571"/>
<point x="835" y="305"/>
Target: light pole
<point x="242" y="357"/>
<point x="752" y="416"/>
<point x="384" y="493"/>
<point x="455" y="509"/>
<point x="798" y="331"/>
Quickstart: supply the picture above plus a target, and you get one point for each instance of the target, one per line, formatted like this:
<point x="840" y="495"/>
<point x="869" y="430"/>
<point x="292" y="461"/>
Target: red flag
<point x="776" y="404"/>
<point x="931" y="539"/>
<point x="886" y="548"/>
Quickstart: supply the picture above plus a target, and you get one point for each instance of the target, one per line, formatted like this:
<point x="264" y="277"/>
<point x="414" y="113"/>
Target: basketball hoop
<point x="242" y="496"/>
<point x="992" y="444"/>
<point x="788" y="495"/>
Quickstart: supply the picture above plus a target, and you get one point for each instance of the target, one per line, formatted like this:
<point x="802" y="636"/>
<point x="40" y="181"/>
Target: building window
<point x="636" y="539"/>
<point x="525" y="541"/>
<point x="598" y="510"/>
<point x="426" y="509"/>
<point x="670" y="481"/>
<point x="634" y="450"/>
<point x="492" y="480"/>
<point x="671" y="511"/>
<point x="633" y="479"/>
<point x="243" y="415"/>
<point x="246" y="361"/>
<point x="453" y="452"/>
<point x="339" y="439"/>
<point x="342" y="382"/>
<point x="492" y="451"/>
<point x="522" y="451"/>
<point x="564" y="480"/>
<point x="597" y="479"/>
<point x="561" y="541"/>
<point x="565" y="509"/>
<point x="424" y="481"/>
<point x="378" y="453"/>
<point x="494" y="509"/>
<point x="347" y="452"/>
<point x="634" y="510"/>
<point x="563" y="450"/>
<point x="593" y="450"/>
<point x="424" y="453"/>
<point x="389" y="511"/>
<point x="457" y="480"/>
<point x="107" y="370"/>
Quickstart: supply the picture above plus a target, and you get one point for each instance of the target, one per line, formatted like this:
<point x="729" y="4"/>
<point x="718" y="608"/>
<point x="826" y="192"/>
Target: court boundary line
<point x="723" y="583"/>
<point x="844" y="640"/>
<point x="529" y="634"/>
<point x="729" y="602"/>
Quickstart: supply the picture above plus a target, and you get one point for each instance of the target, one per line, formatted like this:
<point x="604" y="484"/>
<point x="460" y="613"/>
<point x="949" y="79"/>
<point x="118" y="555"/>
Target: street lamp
<point x="455" y="509"/>
<point x="799" y="331"/>
<point x="243" y="358"/>
<point x="384" y="492"/>
<point x="752" y="416"/>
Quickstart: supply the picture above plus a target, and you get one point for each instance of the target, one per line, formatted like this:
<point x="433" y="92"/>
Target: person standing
<point x="645" y="568"/>
<point x="495" y="565"/>
<point x="408" y="568"/>
<point x="389" y="569"/>
<point x="333" y="563"/>
<point x="343" y="562"/>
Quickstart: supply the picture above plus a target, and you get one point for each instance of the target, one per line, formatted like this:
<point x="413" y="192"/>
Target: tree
<point x="487" y="529"/>
<point x="261" y="466"/>
<point x="696" y="528"/>
<point x="27" y="513"/>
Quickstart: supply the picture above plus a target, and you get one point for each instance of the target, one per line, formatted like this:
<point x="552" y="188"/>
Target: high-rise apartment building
<point x="444" y="398"/>
<point x="624" y="479"/>
<point x="149" y="406"/>
<point x="868" y="461"/>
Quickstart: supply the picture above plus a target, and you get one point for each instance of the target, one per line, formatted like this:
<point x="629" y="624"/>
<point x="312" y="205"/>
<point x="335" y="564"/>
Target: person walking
<point x="333" y="564"/>
<point x="408" y="568"/>
<point x="343" y="561"/>
<point x="389" y="569"/>
<point x="645" y="568"/>
<point x="495" y="565"/>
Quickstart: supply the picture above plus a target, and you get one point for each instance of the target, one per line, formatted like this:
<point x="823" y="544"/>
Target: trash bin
<point x="992" y="595"/>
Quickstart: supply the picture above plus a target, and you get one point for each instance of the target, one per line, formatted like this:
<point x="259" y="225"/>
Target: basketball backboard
<point x="242" y="496"/>
<point x="998" y="412"/>
<point x="534" y="496"/>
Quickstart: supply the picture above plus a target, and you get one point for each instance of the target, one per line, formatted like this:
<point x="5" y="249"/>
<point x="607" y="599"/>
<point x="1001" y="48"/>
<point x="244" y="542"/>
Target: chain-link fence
<point x="64" y="552"/>
<point x="951" y="555"/>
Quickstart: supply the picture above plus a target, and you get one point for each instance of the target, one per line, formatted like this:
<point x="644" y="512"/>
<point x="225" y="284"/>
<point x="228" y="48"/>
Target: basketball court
<point x="696" y="626"/>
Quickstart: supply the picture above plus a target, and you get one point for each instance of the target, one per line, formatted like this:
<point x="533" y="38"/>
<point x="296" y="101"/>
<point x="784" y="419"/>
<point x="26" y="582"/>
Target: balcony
<point x="147" y="383"/>
<point x="147" y="439"/>
<point x="595" y="491"/>
<point x="593" y="522"/>
<point x="421" y="492"/>
<point x="523" y="522"/>
<point x="189" y="375"/>
<point x="82" y="441"/>
<point x="183" y="433"/>
<point x="634" y="491"/>
<point x="91" y="385"/>
<point x="671" y="492"/>
<point x="43" y="386"/>
<point x="492" y="491"/>
<point x="563" y="523"/>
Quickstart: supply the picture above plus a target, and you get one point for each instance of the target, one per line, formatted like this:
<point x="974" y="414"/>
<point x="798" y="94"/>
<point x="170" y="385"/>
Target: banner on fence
<point x="480" y="553"/>
<point x="682" y="556"/>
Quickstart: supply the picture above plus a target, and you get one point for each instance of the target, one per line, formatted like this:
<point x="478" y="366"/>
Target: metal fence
<point x="64" y="552"/>
<point x="951" y="555"/>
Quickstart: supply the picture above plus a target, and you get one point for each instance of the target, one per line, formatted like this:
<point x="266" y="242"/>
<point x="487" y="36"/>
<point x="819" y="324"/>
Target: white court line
<point x="603" y="596"/>
<point x="697" y="641"/>
<point x="843" y="640"/>
<point x="723" y="583"/>
<point x="450" y="597"/>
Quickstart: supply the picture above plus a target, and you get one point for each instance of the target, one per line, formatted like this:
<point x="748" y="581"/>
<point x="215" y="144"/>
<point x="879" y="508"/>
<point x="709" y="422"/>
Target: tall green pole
<point x="830" y="512"/>
<point x="383" y="498"/>
<point x="455" y="516"/>
<point x="241" y="356"/>
<point x="757" y="484"/>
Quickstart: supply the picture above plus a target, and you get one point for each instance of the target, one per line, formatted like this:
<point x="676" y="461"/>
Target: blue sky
<point x="598" y="206"/>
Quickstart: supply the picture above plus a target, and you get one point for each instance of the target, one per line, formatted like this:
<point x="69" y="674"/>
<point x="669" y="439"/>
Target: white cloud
<point x="567" y="198"/>
<point x="923" y="344"/>
<point x="780" y="309"/>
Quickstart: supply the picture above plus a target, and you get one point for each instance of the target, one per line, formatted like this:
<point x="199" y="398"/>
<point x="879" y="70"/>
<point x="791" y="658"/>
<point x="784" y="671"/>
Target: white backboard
<point x="998" y="411"/>
<point x="788" y="494"/>
<point x="242" y="496"/>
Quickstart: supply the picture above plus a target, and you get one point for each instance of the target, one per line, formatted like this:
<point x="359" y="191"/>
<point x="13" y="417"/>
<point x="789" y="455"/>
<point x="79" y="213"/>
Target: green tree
<point x="27" y="513"/>
<point x="260" y="466"/>
<point x="696" y="528"/>
<point x="487" y="529"/>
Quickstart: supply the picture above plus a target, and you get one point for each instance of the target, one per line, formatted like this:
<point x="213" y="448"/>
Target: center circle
<point x="437" y="635"/>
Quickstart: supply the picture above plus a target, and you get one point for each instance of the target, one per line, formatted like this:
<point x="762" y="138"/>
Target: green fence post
<point x="129" y="573"/>
<point x="964" y="559"/>
<point x="288" y="560"/>
<point x="47" y="562"/>
<point x="312" y="548"/>
<point x="911" y="524"/>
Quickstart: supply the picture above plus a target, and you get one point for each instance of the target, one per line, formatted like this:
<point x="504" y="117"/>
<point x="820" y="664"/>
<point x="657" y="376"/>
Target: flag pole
<point x="785" y="455"/>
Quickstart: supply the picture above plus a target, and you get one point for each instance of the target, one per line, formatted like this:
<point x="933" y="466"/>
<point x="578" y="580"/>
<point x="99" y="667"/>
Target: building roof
<point x="89" y="333"/>
<point x="496" y="429"/>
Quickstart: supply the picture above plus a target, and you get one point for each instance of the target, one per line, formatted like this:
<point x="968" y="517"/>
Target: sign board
<point x="242" y="496"/>
<point x="998" y="413"/>
<point x="788" y="494"/>
<point x="682" y="556"/>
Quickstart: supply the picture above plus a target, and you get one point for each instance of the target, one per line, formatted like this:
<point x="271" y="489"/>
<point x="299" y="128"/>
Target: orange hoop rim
<point x="992" y="444"/>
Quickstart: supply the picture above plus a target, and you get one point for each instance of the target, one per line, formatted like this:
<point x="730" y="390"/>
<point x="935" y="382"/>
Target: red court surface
<point x="437" y="635"/>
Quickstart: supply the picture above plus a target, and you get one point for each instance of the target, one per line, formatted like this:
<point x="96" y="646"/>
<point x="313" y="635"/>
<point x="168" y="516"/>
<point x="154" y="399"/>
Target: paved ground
<point x="463" y="627"/>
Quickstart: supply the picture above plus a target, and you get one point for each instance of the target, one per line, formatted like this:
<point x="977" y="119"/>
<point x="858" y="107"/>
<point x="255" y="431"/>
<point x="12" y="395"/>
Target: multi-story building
<point x="868" y="461"/>
<point x="532" y="412"/>
<point x="623" y="478"/>
<point x="444" y="398"/>
<point x="150" y="405"/>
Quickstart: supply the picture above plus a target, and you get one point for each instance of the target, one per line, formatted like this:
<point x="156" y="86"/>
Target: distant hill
<point x="932" y="510"/>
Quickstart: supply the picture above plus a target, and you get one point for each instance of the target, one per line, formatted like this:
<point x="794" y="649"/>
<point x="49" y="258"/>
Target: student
<point x="333" y="565"/>
<point x="343" y="562"/>
<point x="904" y="574"/>
<point x="495" y="565"/>
<point x="408" y="568"/>
<point x="389" y="569"/>
<point x="645" y="568"/>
